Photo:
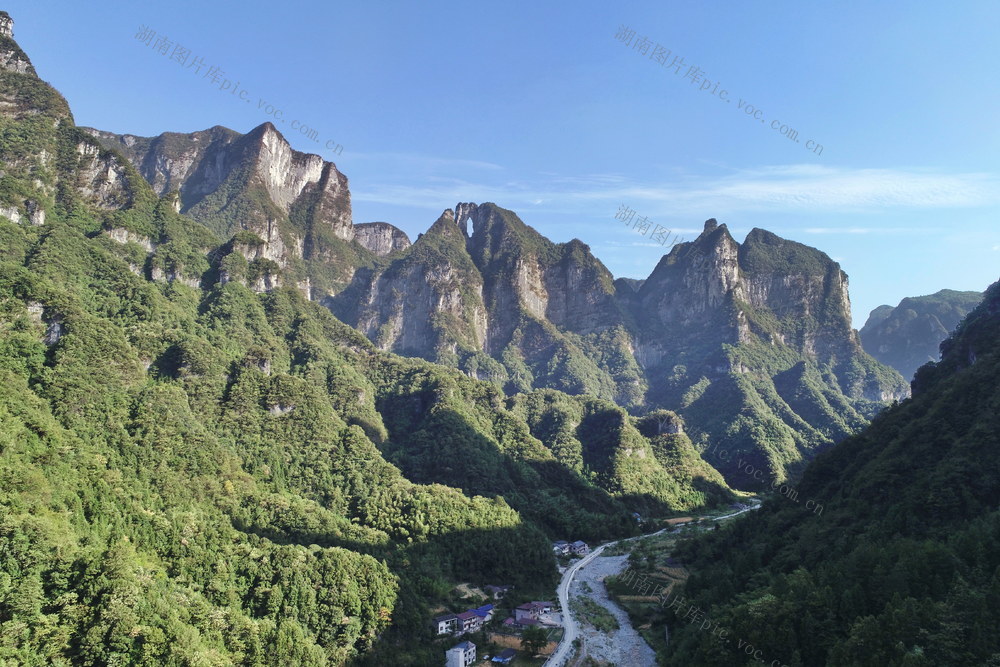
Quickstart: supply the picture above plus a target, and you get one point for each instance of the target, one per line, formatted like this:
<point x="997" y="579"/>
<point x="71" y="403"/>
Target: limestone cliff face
<point x="103" y="178"/>
<point x="688" y="301"/>
<point x="428" y="302"/>
<point x="483" y="291"/>
<point x="298" y="204"/>
<point x="199" y="164"/>
<point x="381" y="238"/>
<point x="714" y="291"/>
<point x="563" y="284"/>
<point x="195" y="163"/>
<point x="12" y="58"/>
<point x="732" y="335"/>
<point x="806" y="287"/>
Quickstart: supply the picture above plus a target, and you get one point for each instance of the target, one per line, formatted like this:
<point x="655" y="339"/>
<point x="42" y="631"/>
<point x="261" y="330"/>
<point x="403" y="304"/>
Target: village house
<point x="469" y="621"/>
<point x="532" y="610"/>
<point x="524" y="623"/>
<point x="561" y="547"/>
<point x="445" y="624"/>
<point x="461" y="655"/>
<point x="485" y="612"/>
<point x="579" y="548"/>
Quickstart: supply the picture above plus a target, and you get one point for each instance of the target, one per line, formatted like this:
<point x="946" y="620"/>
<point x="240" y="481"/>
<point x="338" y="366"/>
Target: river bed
<point x="624" y="646"/>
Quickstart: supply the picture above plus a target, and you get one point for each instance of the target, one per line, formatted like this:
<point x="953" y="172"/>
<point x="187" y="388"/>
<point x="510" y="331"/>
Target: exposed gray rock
<point x="12" y="58"/>
<point x="381" y="238"/>
<point x="102" y="178"/>
<point x="125" y="236"/>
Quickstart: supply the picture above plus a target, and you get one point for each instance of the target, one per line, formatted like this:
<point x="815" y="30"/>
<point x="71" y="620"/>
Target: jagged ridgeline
<point x="902" y="567"/>
<point x="750" y="344"/>
<point x="193" y="450"/>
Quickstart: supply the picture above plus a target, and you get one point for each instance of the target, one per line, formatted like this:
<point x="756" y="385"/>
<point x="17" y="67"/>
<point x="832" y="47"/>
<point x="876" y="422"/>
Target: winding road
<point x="570" y="624"/>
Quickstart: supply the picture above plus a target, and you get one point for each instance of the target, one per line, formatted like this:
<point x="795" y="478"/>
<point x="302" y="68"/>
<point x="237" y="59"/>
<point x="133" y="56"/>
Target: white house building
<point x="461" y="655"/>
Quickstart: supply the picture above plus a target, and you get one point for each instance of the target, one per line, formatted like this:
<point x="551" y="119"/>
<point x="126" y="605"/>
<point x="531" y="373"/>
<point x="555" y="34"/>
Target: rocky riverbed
<point x="623" y="646"/>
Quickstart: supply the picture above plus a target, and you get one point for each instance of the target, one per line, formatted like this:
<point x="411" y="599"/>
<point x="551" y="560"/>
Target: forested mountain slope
<point x="902" y="565"/>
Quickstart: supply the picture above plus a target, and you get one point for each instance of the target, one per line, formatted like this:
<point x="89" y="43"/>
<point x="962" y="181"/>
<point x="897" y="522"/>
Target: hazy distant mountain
<point x="907" y="336"/>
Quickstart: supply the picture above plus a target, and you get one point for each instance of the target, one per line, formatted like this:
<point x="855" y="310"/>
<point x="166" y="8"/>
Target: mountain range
<point x="748" y="343"/>
<point x="195" y="455"/>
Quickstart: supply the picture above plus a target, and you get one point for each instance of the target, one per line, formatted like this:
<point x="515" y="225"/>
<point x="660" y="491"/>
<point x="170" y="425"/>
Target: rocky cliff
<point x="381" y="238"/>
<point x="297" y="204"/>
<point x="486" y="293"/>
<point x="44" y="153"/>
<point x="751" y="343"/>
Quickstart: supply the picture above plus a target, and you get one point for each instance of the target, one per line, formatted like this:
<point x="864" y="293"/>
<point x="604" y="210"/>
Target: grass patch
<point x="594" y="614"/>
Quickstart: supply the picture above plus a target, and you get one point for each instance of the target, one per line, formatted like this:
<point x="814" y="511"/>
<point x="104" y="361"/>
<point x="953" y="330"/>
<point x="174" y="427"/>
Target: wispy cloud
<point x="810" y="188"/>
<point x="891" y="231"/>
<point x="424" y="162"/>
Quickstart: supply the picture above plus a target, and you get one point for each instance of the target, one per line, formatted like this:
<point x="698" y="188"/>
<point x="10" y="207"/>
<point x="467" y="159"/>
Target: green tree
<point x="533" y="640"/>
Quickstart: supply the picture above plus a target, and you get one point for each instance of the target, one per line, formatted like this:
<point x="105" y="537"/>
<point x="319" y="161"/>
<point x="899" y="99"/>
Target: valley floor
<point x="624" y="646"/>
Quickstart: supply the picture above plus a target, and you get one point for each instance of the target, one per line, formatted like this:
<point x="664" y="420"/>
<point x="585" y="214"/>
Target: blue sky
<point x="539" y="108"/>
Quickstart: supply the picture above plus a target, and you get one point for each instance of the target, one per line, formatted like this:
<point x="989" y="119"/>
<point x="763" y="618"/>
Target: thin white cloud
<point x="811" y="188"/>
<point x="409" y="160"/>
<point x="896" y="231"/>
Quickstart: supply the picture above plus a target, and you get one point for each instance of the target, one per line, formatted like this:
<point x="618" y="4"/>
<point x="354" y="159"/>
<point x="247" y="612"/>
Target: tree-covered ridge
<point x="907" y="336"/>
<point x="901" y="567"/>
<point x="649" y="463"/>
